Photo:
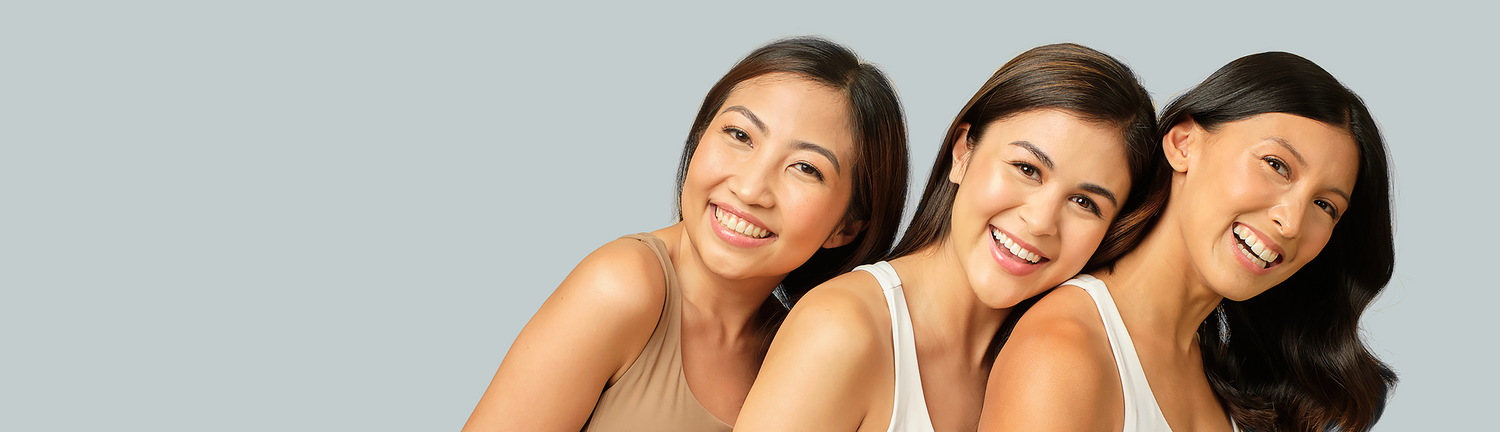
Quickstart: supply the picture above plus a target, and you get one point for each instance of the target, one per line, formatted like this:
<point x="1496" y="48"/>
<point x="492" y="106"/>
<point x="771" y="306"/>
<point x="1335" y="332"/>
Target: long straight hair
<point x="1073" y="78"/>
<point x="879" y="168"/>
<point x="1296" y="361"/>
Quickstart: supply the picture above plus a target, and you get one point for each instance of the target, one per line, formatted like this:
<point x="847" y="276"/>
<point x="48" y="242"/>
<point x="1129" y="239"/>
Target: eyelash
<point x="1328" y="207"/>
<point x="738" y="134"/>
<point x="1028" y="170"/>
<point x="1278" y="165"/>
<point x="1087" y="204"/>
<point x="808" y="169"/>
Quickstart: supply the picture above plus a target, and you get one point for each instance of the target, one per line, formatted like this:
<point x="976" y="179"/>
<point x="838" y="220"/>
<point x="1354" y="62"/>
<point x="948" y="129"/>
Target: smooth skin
<point x="778" y="152"/>
<point x="1286" y="177"/>
<point x="831" y="366"/>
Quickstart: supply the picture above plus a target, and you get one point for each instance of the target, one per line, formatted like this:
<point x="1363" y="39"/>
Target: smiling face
<point x="1258" y="198"/>
<point x="770" y="180"/>
<point x="1035" y="197"/>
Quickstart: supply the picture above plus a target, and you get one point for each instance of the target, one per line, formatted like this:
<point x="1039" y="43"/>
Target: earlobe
<point x="844" y="234"/>
<point x="1179" y="143"/>
<point x="961" y="151"/>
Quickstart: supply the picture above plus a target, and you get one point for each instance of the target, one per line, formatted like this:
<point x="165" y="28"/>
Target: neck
<point x="946" y="314"/>
<point x="729" y="307"/>
<point x="1158" y="291"/>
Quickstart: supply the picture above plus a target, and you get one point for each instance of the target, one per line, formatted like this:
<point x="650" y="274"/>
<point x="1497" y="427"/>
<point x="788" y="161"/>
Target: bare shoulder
<point x="827" y="361"/>
<point x="848" y="311"/>
<point x="623" y="275"/>
<point x="610" y="302"/>
<point x="584" y="337"/>
<point x="1057" y="371"/>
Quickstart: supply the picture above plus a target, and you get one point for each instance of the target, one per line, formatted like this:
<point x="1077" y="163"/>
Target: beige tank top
<point x="653" y="394"/>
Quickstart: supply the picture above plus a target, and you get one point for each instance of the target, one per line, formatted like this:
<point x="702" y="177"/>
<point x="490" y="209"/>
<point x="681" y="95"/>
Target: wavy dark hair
<point x="1073" y="78"/>
<point x="879" y="168"/>
<point x="1296" y="361"/>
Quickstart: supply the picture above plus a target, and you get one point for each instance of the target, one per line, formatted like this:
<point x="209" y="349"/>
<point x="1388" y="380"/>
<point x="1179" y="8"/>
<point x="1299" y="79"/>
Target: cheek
<point x="706" y="166"/>
<point x="814" y="212"/>
<point x="1312" y="243"/>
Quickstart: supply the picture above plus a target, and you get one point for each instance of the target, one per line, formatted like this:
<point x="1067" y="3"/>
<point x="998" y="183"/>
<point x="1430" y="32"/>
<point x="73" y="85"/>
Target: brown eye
<point x="1278" y="165"/>
<point x="1028" y="170"/>
<point x="1327" y="207"/>
<point x="737" y="134"/>
<point x="808" y="169"/>
<point x="1086" y="203"/>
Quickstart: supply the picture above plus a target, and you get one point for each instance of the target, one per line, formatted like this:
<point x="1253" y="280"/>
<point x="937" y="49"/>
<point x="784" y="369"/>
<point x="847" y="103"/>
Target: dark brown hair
<point x="1296" y="361"/>
<point x="1085" y="83"/>
<point x="879" y="169"/>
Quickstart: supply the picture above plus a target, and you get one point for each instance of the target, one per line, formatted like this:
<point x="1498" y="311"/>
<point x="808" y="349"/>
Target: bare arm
<point x="1056" y="373"/>
<point x="824" y="366"/>
<point x="586" y="334"/>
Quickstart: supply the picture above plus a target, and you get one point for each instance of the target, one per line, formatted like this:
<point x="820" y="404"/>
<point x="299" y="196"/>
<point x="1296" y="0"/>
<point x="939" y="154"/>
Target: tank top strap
<point x="884" y="274"/>
<point x="653" y="393"/>
<point x="909" y="411"/>
<point x="659" y="247"/>
<point x="1142" y="414"/>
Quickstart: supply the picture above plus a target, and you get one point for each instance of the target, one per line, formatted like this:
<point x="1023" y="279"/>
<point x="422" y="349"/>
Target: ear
<point x="1180" y="142"/>
<point x="961" y="150"/>
<point x="845" y="233"/>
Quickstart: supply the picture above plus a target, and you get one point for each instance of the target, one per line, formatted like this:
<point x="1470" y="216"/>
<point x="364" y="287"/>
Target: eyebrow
<point x="1039" y="154"/>
<point x="749" y="115"/>
<point x="1288" y="145"/>
<point x="804" y="145"/>
<point x="1100" y="190"/>
<point x="1341" y="193"/>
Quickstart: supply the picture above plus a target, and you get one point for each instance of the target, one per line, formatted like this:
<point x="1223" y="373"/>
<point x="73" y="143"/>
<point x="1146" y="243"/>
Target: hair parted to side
<point x="1081" y="81"/>
<point x="879" y="169"/>
<point x="1297" y="362"/>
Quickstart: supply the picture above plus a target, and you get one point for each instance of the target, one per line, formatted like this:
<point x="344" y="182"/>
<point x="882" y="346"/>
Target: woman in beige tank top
<point x="794" y="171"/>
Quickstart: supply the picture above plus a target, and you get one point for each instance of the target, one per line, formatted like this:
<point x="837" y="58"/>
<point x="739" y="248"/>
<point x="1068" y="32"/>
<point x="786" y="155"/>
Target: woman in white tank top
<point x="1030" y="177"/>
<point x="1271" y="162"/>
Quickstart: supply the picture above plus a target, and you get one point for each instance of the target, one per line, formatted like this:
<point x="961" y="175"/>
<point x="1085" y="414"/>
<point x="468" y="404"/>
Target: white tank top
<point x="1141" y="412"/>
<point x="909" y="414"/>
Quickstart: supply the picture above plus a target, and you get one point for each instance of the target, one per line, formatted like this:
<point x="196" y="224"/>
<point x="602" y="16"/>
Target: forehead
<point x="795" y="108"/>
<point x="1088" y="151"/>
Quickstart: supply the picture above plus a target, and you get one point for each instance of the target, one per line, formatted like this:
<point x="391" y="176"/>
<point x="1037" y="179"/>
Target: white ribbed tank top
<point x="1141" y="412"/>
<point x="910" y="411"/>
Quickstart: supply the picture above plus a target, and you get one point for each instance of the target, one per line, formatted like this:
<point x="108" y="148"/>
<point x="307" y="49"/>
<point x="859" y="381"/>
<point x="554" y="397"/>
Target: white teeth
<point x="1014" y="248"/>
<point x="1258" y="262"/>
<point x="1258" y="248"/>
<point x="736" y="224"/>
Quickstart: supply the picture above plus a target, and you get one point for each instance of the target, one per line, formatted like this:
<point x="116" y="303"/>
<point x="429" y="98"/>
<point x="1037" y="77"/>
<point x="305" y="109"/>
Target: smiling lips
<point x="1256" y="249"/>
<point x="1015" y="248"/>
<point x="739" y="225"/>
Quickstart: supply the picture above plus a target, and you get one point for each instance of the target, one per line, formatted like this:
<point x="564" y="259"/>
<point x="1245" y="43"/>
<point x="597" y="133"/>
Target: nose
<point x="1040" y="217"/>
<point x="751" y="180"/>
<point x="1287" y="216"/>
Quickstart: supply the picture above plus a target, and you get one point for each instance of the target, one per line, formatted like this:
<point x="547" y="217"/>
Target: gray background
<point x="321" y="215"/>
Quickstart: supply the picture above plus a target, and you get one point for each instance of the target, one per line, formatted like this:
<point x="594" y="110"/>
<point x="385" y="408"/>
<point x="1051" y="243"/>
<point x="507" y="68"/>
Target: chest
<point x="1183" y="393"/>
<point x="954" y="392"/>
<point x="720" y="372"/>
